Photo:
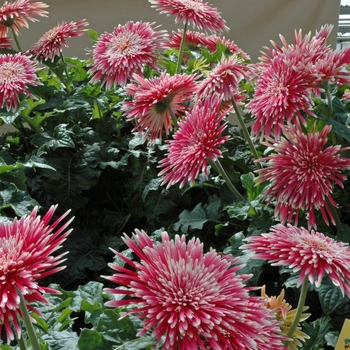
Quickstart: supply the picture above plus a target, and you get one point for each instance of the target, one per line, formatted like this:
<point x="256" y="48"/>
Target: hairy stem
<point x="299" y="310"/>
<point x="28" y="323"/>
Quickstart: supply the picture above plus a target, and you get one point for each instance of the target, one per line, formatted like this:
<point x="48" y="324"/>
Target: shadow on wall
<point x="252" y="23"/>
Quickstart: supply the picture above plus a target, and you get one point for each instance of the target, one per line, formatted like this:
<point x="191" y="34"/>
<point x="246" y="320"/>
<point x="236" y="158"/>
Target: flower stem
<point x="21" y="343"/>
<point x="16" y="39"/>
<point x="26" y="318"/>
<point x="245" y="131"/>
<point x="183" y="39"/>
<point x="299" y="310"/>
<point x="218" y="167"/>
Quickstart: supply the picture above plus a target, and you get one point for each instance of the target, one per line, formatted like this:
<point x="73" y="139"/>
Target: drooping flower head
<point x="117" y="55"/>
<point x="197" y="13"/>
<point x="194" y="300"/>
<point x="15" y="14"/>
<point x="224" y="79"/>
<point x="197" y="140"/>
<point x="286" y="314"/>
<point x="17" y="72"/>
<point x="52" y="42"/>
<point x="195" y="39"/>
<point x="5" y="43"/>
<point x="302" y="173"/>
<point x="26" y="248"/>
<point x="156" y="101"/>
<point x="312" y="254"/>
<point x="282" y="93"/>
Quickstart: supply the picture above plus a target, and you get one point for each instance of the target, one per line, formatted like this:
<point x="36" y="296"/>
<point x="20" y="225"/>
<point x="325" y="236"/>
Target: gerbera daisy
<point x="190" y="299"/>
<point x="117" y="55"/>
<point x="51" y="43"/>
<point x="5" y="43"/>
<point x="197" y="140"/>
<point x="15" y="14"/>
<point x="212" y="40"/>
<point x="26" y="246"/>
<point x="286" y="315"/>
<point x="192" y="39"/>
<point x="157" y="101"/>
<point x="17" y="72"/>
<point x="281" y="94"/>
<point x="312" y="254"/>
<point x="197" y="13"/>
<point x="302" y="173"/>
<point x="224" y="79"/>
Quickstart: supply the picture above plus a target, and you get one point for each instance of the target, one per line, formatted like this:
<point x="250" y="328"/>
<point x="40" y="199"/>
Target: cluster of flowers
<point x="193" y="299"/>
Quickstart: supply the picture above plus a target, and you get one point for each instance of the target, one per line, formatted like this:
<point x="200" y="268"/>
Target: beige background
<point x="252" y="23"/>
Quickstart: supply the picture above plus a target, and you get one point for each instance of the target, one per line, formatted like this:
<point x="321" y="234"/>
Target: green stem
<point x="183" y="40"/>
<point x="299" y="310"/>
<point x="21" y="343"/>
<point x="28" y="323"/>
<point x="16" y="39"/>
<point x="329" y="100"/>
<point x="245" y="131"/>
<point x="218" y="167"/>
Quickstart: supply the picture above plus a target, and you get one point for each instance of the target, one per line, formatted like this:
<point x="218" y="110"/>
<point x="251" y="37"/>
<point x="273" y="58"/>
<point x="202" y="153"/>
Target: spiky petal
<point x="197" y="13"/>
<point x="117" y="55"/>
<point x="197" y="140"/>
<point x="26" y="256"/>
<point x="52" y="42"/>
<point x="309" y="253"/>
<point x="302" y="173"/>
<point x="193" y="300"/>
<point x="156" y="101"/>
<point x="15" y="14"/>
<point x="17" y="72"/>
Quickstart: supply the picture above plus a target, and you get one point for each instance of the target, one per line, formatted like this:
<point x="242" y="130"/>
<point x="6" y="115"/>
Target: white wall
<point x="252" y="23"/>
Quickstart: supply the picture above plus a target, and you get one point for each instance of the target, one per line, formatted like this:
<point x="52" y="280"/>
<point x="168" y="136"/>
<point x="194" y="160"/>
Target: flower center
<point x="125" y="44"/>
<point x="11" y="72"/>
<point x="193" y="5"/>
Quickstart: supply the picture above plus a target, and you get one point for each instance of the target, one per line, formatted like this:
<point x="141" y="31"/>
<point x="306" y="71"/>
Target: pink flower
<point x="26" y="248"/>
<point x="195" y="39"/>
<point x="126" y="50"/>
<point x="224" y="79"/>
<point x="212" y="40"/>
<point x="302" y="173"/>
<point x="196" y="141"/>
<point x="193" y="300"/>
<point x="50" y="44"/>
<point x="17" y="72"/>
<point x="156" y="101"/>
<point x="309" y="253"/>
<point x="5" y="43"/>
<point x="15" y="14"/>
<point x="282" y="94"/>
<point x="195" y="12"/>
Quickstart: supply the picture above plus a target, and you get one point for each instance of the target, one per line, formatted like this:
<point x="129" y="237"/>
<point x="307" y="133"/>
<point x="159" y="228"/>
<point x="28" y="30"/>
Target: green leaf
<point x="90" y="339"/>
<point x="194" y="219"/>
<point x="253" y="190"/>
<point x="316" y="330"/>
<point x="138" y="344"/>
<point x="20" y="201"/>
<point x="331" y="298"/>
<point x="88" y="297"/>
<point x="240" y="211"/>
<point x="61" y="340"/>
<point x="60" y="137"/>
<point x="114" y="329"/>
